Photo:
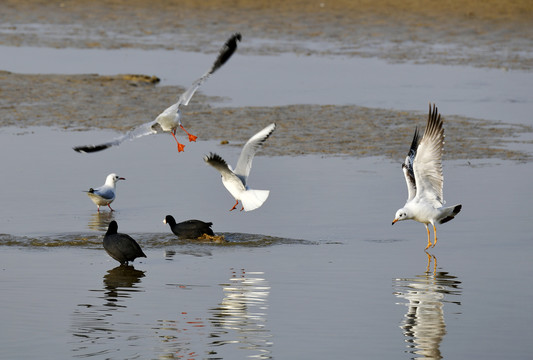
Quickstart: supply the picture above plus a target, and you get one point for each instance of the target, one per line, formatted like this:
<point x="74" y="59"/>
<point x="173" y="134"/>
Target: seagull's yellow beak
<point x="394" y="221"/>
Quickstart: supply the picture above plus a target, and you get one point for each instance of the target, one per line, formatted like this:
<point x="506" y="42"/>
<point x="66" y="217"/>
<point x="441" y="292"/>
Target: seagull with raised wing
<point x="105" y="194"/>
<point x="235" y="181"/>
<point x="422" y="169"/>
<point x="170" y="119"/>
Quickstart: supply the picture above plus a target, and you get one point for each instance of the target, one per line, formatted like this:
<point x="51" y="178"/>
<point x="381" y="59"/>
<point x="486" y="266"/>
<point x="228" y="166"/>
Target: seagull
<point x="422" y="169"/>
<point x="235" y="180"/>
<point x="105" y="194"/>
<point x="170" y="119"/>
<point x="121" y="247"/>
<point x="189" y="229"/>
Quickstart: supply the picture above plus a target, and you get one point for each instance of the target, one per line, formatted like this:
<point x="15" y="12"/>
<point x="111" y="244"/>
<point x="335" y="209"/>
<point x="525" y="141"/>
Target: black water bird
<point x="121" y="247"/>
<point x="190" y="229"/>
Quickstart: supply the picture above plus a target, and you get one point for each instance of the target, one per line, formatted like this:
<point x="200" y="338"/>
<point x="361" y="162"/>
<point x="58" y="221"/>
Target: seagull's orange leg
<point x="429" y="262"/>
<point x="191" y="136"/>
<point x="429" y="238"/>
<point x="435" y="233"/>
<point x="180" y="146"/>
<point x="234" y="206"/>
<point x="109" y="206"/>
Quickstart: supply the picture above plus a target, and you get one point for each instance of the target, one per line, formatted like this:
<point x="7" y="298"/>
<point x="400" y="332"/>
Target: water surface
<point x="335" y="279"/>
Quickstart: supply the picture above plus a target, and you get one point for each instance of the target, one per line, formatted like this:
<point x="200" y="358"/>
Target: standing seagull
<point x="170" y="119"/>
<point x="423" y="174"/>
<point x="105" y="194"/>
<point x="121" y="247"/>
<point x="235" y="180"/>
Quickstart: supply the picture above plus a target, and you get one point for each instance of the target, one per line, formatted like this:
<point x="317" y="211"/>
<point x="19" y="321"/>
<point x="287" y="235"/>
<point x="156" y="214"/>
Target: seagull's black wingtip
<point x="90" y="148"/>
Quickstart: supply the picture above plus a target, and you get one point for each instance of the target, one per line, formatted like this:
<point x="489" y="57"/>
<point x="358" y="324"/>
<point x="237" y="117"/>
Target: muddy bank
<point x="473" y="32"/>
<point x="81" y="102"/>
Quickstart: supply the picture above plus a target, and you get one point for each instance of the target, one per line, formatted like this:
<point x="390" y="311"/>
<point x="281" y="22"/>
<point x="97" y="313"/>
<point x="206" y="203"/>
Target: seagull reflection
<point x="100" y="221"/>
<point x="93" y="326"/>
<point x="241" y="316"/>
<point x="236" y="325"/>
<point x="424" y="325"/>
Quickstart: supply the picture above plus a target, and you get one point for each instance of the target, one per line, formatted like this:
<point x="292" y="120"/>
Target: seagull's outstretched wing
<point x="142" y="130"/>
<point x="407" y="167"/>
<point x="218" y="163"/>
<point x="244" y="164"/>
<point x="428" y="160"/>
<point x="225" y="53"/>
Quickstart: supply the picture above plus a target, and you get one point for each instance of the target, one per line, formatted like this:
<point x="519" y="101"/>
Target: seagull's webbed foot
<point x="234" y="206"/>
<point x="181" y="147"/>
<point x="191" y="136"/>
<point x="109" y="206"/>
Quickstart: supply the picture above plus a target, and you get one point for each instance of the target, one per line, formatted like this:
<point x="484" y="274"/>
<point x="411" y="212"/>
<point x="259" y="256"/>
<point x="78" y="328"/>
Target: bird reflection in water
<point x="99" y="221"/>
<point x="241" y="316"/>
<point x="93" y="326"/>
<point x="239" y="321"/>
<point x="120" y="282"/>
<point x="424" y="325"/>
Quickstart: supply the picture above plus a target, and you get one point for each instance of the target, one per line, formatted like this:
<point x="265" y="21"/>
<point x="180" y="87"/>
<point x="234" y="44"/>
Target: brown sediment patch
<point x="80" y="102"/>
<point x="489" y="33"/>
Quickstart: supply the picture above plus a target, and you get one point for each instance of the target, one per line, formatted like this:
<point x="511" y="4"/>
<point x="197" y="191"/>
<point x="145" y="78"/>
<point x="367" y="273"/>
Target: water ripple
<point x="150" y="240"/>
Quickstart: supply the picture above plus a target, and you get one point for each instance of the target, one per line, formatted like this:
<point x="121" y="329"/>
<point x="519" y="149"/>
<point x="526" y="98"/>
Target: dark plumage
<point x="190" y="229"/>
<point x="121" y="247"/>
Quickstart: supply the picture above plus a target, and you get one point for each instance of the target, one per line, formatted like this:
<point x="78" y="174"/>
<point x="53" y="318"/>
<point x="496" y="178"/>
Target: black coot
<point x="190" y="229"/>
<point x="121" y="247"/>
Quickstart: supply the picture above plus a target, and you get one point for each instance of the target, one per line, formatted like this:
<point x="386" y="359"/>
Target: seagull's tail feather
<point x="450" y="213"/>
<point x="252" y="199"/>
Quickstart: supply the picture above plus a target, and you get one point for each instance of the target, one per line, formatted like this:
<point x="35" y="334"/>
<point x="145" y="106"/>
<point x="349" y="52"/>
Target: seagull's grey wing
<point x="103" y="192"/>
<point x="244" y="164"/>
<point x="407" y="167"/>
<point x="142" y="130"/>
<point x="225" y="53"/>
<point x="428" y="160"/>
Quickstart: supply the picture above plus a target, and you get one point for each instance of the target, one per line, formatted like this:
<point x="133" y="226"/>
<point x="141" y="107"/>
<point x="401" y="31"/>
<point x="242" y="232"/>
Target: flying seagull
<point x="105" y="194"/>
<point x="235" y="181"/>
<point x="170" y="119"/>
<point x="423" y="174"/>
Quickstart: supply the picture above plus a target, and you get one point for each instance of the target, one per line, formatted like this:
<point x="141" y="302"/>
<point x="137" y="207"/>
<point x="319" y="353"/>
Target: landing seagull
<point x="170" y="119"/>
<point x="105" y="194"/>
<point x="235" y="180"/>
<point x="423" y="174"/>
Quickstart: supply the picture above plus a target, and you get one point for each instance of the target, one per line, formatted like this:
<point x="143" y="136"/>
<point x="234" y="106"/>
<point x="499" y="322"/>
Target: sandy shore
<point x="398" y="31"/>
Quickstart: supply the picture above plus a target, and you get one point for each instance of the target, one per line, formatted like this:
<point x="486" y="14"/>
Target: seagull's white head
<point x="112" y="179"/>
<point x="402" y="214"/>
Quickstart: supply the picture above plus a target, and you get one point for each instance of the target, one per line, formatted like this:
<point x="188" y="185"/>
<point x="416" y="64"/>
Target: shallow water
<point x="492" y="94"/>
<point x="317" y="272"/>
